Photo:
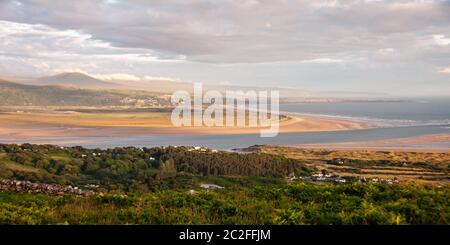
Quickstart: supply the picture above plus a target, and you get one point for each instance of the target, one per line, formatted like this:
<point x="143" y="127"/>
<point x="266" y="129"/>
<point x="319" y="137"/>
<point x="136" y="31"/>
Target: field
<point x="418" y="167"/>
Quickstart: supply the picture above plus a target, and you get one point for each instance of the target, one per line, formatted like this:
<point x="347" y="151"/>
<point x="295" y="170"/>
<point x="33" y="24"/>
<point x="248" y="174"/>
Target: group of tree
<point x="128" y="167"/>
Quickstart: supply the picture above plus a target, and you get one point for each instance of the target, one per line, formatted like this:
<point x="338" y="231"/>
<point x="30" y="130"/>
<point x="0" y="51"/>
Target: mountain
<point x="170" y="86"/>
<point x="160" y="86"/>
<point x="81" y="80"/>
<point x="14" y="94"/>
<point x="75" y="79"/>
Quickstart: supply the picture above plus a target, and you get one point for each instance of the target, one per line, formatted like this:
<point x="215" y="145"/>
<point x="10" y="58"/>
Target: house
<point x="211" y="186"/>
<point x="291" y="177"/>
<point x="192" y="192"/>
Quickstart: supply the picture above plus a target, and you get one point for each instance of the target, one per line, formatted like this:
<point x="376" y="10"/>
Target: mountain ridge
<point x="76" y="79"/>
<point x="16" y="94"/>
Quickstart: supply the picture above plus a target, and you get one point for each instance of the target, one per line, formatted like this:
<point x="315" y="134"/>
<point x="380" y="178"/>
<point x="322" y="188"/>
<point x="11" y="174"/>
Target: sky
<point x="372" y="46"/>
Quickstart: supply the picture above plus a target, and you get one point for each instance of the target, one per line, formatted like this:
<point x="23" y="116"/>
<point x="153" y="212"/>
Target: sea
<point x="399" y="119"/>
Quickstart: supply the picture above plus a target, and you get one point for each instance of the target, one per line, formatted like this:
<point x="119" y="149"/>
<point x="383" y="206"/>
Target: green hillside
<point x="166" y="186"/>
<point x="14" y="94"/>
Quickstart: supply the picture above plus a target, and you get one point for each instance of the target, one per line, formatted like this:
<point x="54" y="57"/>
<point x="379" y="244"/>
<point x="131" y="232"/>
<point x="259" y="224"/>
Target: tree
<point x="167" y="168"/>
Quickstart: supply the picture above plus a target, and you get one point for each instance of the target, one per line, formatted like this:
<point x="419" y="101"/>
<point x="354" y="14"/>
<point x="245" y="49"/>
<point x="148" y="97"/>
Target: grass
<point x="422" y="167"/>
<point x="10" y="165"/>
<point x="297" y="203"/>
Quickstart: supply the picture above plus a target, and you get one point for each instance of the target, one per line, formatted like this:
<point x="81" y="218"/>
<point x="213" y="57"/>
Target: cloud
<point x="42" y="50"/>
<point x="117" y="76"/>
<point x="160" y="78"/>
<point x="324" y="43"/>
<point x="323" y="61"/>
<point x="70" y="70"/>
<point x="240" y="31"/>
<point x="441" y="40"/>
<point x="445" y="70"/>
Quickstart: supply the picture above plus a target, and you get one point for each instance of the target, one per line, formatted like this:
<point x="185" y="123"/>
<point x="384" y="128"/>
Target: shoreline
<point x="61" y="127"/>
<point x="132" y="124"/>
<point x="423" y="143"/>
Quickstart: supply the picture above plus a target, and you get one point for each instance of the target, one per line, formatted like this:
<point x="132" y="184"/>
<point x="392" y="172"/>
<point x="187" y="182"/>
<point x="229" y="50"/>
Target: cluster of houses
<point x="206" y="186"/>
<point x="202" y="149"/>
<point x="150" y="101"/>
<point x="211" y="186"/>
<point x="389" y="180"/>
<point x="91" y="186"/>
<point x="93" y="154"/>
<point x="48" y="189"/>
<point x="320" y="177"/>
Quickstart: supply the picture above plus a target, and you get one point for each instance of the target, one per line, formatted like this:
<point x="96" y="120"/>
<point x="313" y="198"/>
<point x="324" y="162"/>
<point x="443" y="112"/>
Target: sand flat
<point x="56" y="124"/>
<point x="424" y="143"/>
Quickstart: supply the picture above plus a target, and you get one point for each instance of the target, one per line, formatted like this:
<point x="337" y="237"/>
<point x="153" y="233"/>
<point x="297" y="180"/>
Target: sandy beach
<point x="57" y="124"/>
<point x="424" y="143"/>
<point x="58" y="127"/>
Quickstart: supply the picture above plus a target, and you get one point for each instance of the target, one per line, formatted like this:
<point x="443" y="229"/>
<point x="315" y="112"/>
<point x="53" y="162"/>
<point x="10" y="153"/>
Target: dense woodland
<point x="133" y="168"/>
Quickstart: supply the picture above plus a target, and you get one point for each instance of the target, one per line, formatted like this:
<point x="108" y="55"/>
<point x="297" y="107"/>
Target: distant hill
<point x="75" y="79"/>
<point x="81" y="80"/>
<point x="14" y="94"/>
<point x="170" y="86"/>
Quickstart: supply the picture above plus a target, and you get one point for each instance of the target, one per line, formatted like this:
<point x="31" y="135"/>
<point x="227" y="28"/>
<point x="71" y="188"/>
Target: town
<point x="323" y="177"/>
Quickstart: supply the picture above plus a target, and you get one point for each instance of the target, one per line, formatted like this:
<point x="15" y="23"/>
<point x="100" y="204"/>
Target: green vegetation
<point x="133" y="169"/>
<point x="162" y="186"/>
<point x="361" y="158"/>
<point x="298" y="203"/>
<point x="418" y="167"/>
<point x="14" y="94"/>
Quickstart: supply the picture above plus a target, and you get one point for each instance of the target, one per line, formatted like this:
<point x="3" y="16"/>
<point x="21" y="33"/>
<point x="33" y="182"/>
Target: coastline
<point x="79" y="128"/>
<point x="78" y="124"/>
<point x="424" y="143"/>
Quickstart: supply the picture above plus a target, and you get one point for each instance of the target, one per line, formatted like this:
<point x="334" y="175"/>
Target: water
<point x="427" y="111"/>
<point x="399" y="120"/>
<point x="227" y="142"/>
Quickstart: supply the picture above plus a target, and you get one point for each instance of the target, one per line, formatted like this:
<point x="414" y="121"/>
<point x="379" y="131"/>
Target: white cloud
<point x="70" y="70"/>
<point x="117" y="76"/>
<point x="323" y="61"/>
<point x="441" y="40"/>
<point x="44" y="50"/>
<point x="445" y="70"/>
<point x="160" y="78"/>
<point x="386" y="51"/>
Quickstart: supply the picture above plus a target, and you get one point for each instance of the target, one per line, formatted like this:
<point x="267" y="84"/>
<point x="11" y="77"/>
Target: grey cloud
<point x="362" y="45"/>
<point x="243" y="31"/>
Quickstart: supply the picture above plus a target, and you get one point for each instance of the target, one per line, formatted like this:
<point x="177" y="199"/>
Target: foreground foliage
<point x="162" y="186"/>
<point x="298" y="203"/>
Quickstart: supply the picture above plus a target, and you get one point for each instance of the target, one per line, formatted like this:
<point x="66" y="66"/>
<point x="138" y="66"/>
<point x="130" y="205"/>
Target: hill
<point x="170" y="86"/>
<point x="129" y="185"/>
<point x="154" y="85"/>
<point x="75" y="79"/>
<point x="14" y="94"/>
